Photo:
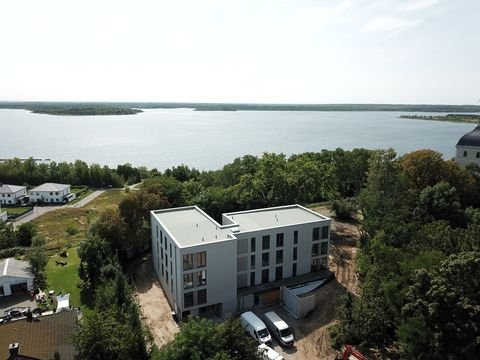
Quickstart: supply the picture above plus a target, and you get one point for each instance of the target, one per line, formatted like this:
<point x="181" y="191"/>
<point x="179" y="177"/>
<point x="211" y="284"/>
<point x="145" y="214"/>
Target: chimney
<point x="13" y="350"/>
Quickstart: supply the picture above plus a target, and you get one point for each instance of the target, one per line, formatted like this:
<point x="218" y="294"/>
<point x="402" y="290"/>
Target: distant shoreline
<point x="132" y="108"/>
<point x="463" y="118"/>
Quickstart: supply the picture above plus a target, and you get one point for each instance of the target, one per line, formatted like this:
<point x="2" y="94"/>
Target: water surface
<point x="161" y="138"/>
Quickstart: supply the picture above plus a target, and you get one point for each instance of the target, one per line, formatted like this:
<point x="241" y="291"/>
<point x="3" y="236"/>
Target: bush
<point x="12" y="252"/>
<point x="344" y="209"/>
<point x="72" y="230"/>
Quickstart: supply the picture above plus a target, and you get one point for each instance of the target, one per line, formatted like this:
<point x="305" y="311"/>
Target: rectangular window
<point x="316" y="234"/>
<point x="165" y="238"/>
<point x="253" y="244"/>
<point x="162" y="269"/>
<point x="166" y="275"/>
<point x="188" y="262"/>
<point x="279" y="257"/>
<point x="278" y="273"/>
<point x="265" y="259"/>
<point x="188" y="281"/>
<point x="202" y="296"/>
<point x="294" y="269"/>
<point x="265" y="276"/>
<point x="295" y="237"/>
<point x="201" y="259"/>
<point x="201" y="278"/>
<point x="161" y="237"/>
<point x="295" y="253"/>
<point x="158" y="247"/>
<point x="318" y="264"/>
<point x="171" y="284"/>
<point x="266" y="242"/>
<point x="252" y="261"/>
<point x="325" y="232"/>
<point x="161" y="252"/>
<point x="188" y="299"/>
<point x="280" y="240"/>
<point x="166" y="258"/>
<point x="324" y="248"/>
<point x="170" y="249"/>
<point x="315" y="250"/>
<point x="252" y="278"/>
<point x="171" y="268"/>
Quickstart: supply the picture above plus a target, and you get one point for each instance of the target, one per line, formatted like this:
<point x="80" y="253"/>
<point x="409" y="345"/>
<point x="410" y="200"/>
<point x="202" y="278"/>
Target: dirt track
<point x="154" y="306"/>
<point x="312" y="333"/>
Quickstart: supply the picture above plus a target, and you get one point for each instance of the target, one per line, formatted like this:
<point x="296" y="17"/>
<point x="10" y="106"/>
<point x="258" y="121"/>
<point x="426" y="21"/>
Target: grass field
<point x="69" y="225"/>
<point x="80" y="193"/>
<point x="65" y="278"/>
<point x="16" y="210"/>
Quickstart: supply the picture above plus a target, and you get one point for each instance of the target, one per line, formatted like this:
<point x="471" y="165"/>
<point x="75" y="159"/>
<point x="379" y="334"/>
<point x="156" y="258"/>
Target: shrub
<point x="344" y="209"/>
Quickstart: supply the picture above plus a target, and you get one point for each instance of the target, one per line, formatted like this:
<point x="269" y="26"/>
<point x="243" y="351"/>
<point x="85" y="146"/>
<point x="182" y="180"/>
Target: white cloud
<point x="389" y="24"/>
<point x="415" y="5"/>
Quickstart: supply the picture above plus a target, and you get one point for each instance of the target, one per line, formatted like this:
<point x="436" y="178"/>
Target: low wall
<point x="299" y="307"/>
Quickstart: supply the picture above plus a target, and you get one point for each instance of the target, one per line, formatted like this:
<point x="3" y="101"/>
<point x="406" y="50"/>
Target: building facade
<point x="468" y="148"/>
<point x="51" y="193"/>
<point x="207" y="267"/>
<point x="12" y="194"/>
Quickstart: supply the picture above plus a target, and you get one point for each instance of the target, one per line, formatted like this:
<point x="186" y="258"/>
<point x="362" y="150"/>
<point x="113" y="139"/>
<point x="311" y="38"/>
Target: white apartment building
<point x="12" y="194"/>
<point x="51" y="193"/>
<point x="207" y="267"/>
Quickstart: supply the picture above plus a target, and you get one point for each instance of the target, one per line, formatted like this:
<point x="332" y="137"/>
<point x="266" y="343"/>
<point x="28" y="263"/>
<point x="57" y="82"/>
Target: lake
<point x="161" y="138"/>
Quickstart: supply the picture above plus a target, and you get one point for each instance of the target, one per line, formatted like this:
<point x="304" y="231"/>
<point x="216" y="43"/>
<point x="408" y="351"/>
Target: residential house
<point x="51" y="193"/>
<point x="12" y="194"/>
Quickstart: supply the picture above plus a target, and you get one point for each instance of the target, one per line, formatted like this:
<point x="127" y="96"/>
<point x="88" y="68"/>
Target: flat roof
<point x="191" y="226"/>
<point x="252" y="220"/>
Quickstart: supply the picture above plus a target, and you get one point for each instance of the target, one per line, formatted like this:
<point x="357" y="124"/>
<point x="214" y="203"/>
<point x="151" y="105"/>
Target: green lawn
<point x="16" y="210"/>
<point x="80" y="192"/>
<point x="65" y="278"/>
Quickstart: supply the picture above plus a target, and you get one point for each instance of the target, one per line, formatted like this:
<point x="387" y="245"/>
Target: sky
<point x="254" y="51"/>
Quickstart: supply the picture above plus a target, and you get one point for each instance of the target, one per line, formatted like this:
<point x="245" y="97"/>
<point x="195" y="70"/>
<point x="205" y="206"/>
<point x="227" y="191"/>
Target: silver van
<point x="279" y="329"/>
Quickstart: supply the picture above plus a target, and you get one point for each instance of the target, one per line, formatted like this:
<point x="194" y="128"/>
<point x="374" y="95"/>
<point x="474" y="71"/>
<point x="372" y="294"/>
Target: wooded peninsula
<point x="130" y="108"/>
<point x="466" y="118"/>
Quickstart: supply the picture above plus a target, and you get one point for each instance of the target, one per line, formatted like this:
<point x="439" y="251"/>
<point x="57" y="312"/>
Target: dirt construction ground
<point x="312" y="336"/>
<point x="155" y="309"/>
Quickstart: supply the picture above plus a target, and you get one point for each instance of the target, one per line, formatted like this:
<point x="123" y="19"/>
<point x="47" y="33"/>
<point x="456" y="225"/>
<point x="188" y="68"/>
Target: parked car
<point x="279" y="329"/>
<point x="267" y="353"/>
<point x="16" y="312"/>
<point x="255" y="327"/>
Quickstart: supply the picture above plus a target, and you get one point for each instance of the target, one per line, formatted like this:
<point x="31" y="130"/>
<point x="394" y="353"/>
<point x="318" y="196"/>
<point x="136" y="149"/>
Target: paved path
<point x="86" y="200"/>
<point x="40" y="210"/>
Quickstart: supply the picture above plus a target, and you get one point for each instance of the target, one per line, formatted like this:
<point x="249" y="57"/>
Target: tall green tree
<point x="442" y="313"/>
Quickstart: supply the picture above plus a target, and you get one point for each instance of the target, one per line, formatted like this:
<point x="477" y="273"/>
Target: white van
<point x="279" y="329"/>
<point x="267" y="353"/>
<point x="255" y="327"/>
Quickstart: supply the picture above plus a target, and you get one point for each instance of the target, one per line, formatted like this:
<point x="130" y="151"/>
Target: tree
<point x="94" y="253"/>
<point x="101" y="335"/>
<point x="200" y="338"/>
<point x="25" y="233"/>
<point x="111" y="227"/>
<point x="38" y="261"/>
<point x="442" y="312"/>
<point x="440" y="202"/>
